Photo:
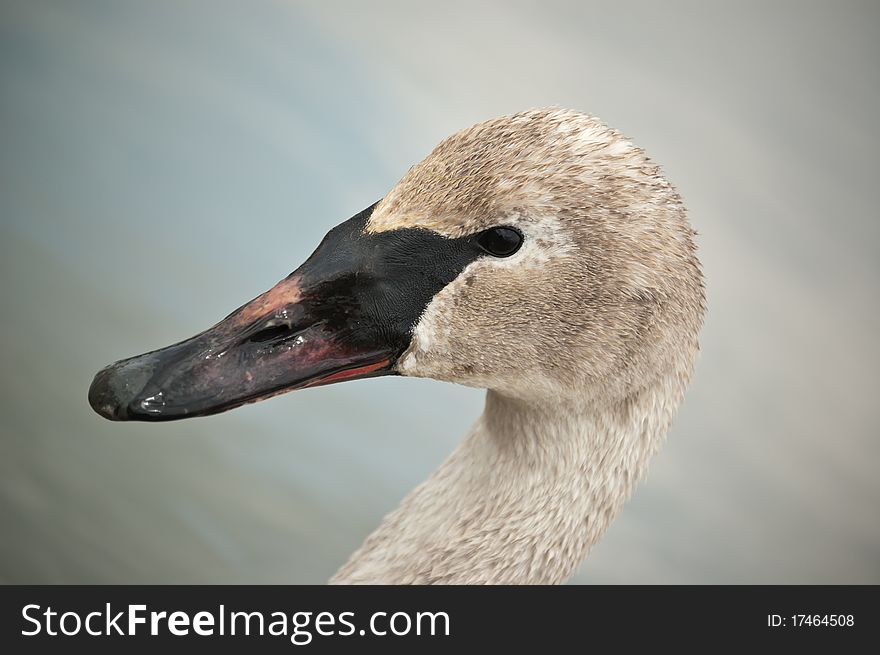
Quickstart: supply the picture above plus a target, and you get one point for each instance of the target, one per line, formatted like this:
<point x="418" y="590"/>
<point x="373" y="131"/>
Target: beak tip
<point x="102" y="398"/>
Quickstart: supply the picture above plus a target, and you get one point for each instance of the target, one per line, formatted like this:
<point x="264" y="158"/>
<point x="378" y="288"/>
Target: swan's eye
<point x="500" y="241"/>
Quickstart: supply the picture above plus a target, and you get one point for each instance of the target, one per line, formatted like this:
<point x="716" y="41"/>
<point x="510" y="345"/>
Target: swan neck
<point x="521" y="500"/>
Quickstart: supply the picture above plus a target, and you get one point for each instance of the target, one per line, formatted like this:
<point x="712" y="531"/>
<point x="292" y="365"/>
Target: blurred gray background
<point x="162" y="162"/>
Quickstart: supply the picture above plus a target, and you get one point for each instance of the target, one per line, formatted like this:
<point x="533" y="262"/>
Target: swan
<point x="541" y="256"/>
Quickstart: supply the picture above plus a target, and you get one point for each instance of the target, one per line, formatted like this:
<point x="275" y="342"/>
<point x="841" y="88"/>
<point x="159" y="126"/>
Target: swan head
<point x="541" y="255"/>
<point x="604" y="294"/>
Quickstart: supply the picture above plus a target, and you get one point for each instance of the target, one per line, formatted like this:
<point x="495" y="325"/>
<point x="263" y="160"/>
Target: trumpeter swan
<point x="541" y="256"/>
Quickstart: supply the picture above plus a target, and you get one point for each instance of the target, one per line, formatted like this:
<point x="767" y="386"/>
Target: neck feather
<point x="522" y="499"/>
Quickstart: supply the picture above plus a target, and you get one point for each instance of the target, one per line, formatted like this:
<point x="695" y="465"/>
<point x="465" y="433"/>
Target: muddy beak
<point x="330" y="320"/>
<point x="276" y="343"/>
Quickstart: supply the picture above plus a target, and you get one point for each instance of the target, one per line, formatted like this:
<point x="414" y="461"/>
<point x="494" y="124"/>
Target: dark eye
<point x="500" y="241"/>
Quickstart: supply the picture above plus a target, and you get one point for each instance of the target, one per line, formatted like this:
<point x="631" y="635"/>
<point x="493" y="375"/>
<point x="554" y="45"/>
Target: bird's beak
<point x="275" y="343"/>
<point x="346" y="313"/>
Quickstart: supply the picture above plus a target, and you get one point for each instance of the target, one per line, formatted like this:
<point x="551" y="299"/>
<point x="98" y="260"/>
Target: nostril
<point x="271" y="333"/>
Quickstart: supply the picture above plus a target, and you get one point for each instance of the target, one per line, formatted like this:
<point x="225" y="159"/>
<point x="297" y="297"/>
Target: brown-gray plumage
<point x="585" y="340"/>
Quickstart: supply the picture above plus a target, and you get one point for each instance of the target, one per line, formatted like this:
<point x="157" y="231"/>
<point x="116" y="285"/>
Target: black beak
<point x="346" y="313"/>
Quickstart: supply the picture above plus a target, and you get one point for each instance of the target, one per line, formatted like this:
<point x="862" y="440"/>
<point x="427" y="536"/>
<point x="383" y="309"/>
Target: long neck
<point x="521" y="500"/>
